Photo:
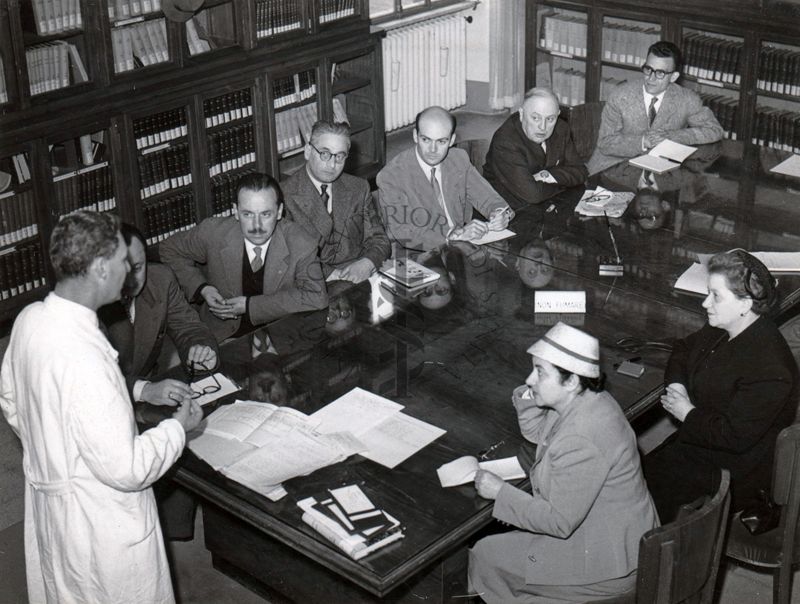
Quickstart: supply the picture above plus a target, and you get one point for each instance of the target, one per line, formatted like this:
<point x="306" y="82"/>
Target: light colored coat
<point x="91" y="524"/>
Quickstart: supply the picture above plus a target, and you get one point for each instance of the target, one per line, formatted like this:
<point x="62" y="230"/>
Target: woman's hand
<point x="487" y="484"/>
<point x="676" y="401"/>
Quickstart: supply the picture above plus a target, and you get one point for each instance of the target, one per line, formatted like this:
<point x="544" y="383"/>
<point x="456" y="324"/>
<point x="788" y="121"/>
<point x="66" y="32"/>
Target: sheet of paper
<point x="277" y="425"/>
<point x="352" y="499"/>
<point x="655" y="164"/>
<point x="789" y="166"/>
<point x="671" y="150"/>
<point x="602" y="202"/>
<point x="559" y="301"/>
<point x="459" y="471"/>
<point x="357" y="411"/>
<point x="216" y="451"/>
<point x="694" y="279"/>
<point x="398" y="438"/>
<point x="507" y="468"/>
<point x="492" y="236"/>
<point x="227" y="387"/>
<point x="237" y="421"/>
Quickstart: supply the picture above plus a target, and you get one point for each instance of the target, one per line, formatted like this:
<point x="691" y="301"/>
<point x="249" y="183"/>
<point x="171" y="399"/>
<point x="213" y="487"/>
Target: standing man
<point x="337" y="208"/>
<point x="250" y="268"/>
<point x="91" y="525"/>
<point x="427" y="193"/>
<point x="639" y="115"/>
<point x="532" y="156"/>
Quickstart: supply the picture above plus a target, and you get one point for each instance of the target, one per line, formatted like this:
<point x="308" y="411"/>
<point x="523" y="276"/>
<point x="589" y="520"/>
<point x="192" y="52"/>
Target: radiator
<point x="424" y="64"/>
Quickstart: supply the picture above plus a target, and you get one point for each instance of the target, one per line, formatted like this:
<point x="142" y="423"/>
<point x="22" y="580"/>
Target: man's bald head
<point x="539" y="114"/>
<point x="434" y="134"/>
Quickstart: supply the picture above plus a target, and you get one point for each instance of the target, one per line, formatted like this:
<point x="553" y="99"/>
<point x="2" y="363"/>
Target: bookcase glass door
<point x="139" y="34"/>
<point x="7" y="88"/>
<point x="231" y="145"/>
<point x="22" y="258"/>
<point x="712" y="67"/>
<point x="561" y="48"/>
<point x="274" y="18"/>
<point x="164" y="173"/>
<point x="777" y="119"/>
<point x="212" y="28"/>
<point x="294" y="101"/>
<point x="336" y="10"/>
<point x="624" y="50"/>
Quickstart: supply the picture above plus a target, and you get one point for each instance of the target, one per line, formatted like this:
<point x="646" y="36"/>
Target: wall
<point x="11" y="478"/>
<point x="478" y="57"/>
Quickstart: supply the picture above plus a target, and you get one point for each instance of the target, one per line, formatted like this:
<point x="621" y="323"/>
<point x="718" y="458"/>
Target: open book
<point x="666" y="155"/>
<point x="463" y="469"/>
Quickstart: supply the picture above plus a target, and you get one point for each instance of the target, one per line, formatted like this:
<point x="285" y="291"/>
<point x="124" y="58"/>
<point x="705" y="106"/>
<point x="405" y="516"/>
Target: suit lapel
<point x="667" y="104"/>
<point x="277" y="261"/>
<point x="311" y="204"/>
<point x="452" y="195"/>
<point x="231" y="258"/>
<point x="145" y="327"/>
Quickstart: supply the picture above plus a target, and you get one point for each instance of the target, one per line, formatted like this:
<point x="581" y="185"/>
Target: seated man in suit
<point x="639" y="115"/>
<point x="427" y="193"/>
<point x="336" y="207"/>
<point x="532" y="155"/>
<point x="577" y="536"/>
<point x="250" y="268"/>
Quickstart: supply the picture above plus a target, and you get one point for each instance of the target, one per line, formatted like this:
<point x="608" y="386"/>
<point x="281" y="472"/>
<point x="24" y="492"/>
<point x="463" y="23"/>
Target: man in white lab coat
<point x="91" y="524"/>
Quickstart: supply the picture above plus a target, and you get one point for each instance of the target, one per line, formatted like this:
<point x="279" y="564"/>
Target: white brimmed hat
<point x="570" y="349"/>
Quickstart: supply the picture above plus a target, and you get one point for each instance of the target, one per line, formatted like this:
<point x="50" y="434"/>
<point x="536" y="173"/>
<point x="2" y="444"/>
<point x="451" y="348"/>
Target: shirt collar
<point x="75" y="310"/>
<point x="249" y="245"/>
<point x="648" y="96"/>
<point x="317" y="184"/>
<point x="426" y="168"/>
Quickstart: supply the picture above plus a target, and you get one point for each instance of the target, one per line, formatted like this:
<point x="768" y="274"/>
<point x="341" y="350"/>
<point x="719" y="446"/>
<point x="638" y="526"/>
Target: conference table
<point x="453" y="354"/>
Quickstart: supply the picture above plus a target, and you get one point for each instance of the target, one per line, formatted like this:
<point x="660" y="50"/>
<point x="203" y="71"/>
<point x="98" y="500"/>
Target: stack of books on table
<point x="346" y="517"/>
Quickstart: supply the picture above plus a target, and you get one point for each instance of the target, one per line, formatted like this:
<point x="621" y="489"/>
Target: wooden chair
<point x="776" y="549"/>
<point x="476" y="148"/>
<point x="678" y="562"/>
<point x="584" y="124"/>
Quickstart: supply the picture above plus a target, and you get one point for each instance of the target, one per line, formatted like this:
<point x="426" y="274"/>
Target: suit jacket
<point x="161" y="309"/>
<point x="513" y="159"/>
<point x="624" y="121"/>
<point x="352" y="231"/>
<point x="412" y="214"/>
<point x="211" y="253"/>
<point x="590" y="504"/>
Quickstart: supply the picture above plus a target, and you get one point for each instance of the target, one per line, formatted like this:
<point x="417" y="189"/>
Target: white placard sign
<point x="556" y="301"/>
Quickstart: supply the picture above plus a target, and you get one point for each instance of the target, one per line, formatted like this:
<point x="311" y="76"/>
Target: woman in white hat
<point x="580" y="528"/>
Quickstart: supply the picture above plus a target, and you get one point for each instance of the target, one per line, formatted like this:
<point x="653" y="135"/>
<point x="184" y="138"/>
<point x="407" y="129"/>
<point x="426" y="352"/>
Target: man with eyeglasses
<point x="638" y="116"/>
<point x="427" y="193"/>
<point x="336" y="208"/>
<point x="532" y="155"/>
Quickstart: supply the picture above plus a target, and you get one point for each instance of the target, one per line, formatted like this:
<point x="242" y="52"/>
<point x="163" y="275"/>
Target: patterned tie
<point x="652" y="111"/>
<point x="437" y="192"/>
<point x="257" y="262"/>
<point x="325" y="197"/>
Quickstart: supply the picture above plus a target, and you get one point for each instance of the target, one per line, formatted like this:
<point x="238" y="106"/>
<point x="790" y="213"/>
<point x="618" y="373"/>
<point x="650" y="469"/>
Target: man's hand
<point x="237" y="305"/>
<point x="474" y="229"/>
<point x="652" y="138"/>
<point x="166" y="392"/>
<point x="201" y="356"/>
<point x="357" y="271"/>
<point x="544" y="176"/>
<point x="216" y="303"/>
<point x="487" y="484"/>
<point x="189" y="414"/>
<point x="499" y="219"/>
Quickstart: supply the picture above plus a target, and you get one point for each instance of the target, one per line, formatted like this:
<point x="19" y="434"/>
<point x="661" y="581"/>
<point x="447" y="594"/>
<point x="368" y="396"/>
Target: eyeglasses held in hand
<point x="659" y="73"/>
<point x="326" y="155"/>
<point x="208" y="389"/>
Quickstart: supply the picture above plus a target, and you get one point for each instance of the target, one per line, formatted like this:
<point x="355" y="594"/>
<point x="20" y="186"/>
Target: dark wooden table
<point x="455" y="367"/>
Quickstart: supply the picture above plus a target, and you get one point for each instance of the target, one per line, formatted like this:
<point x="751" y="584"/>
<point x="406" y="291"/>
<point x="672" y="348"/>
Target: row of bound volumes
<point x="725" y="109"/>
<point x="228" y="108"/>
<point x="231" y="149"/>
<point x="21" y="270"/>
<point x="56" y="16"/>
<point x="90" y="188"/>
<point x="331" y="10"/>
<point x="125" y="9"/>
<point x="563" y="33"/>
<point x="17" y="217"/>
<point x="569" y="86"/>
<point x="223" y="192"/>
<point x="165" y="169"/>
<point x="169" y="216"/>
<point x="628" y="44"/>
<point x="777" y="129"/>
<point x="294" y="88"/>
<point x="53" y="66"/>
<point x="779" y="70"/>
<point x="707" y="57"/>
<point x="160" y="128"/>
<point x="3" y="87"/>
<point x="276" y="17"/>
<point x="294" y="125"/>
<point x="197" y="39"/>
<point x="139" y="44"/>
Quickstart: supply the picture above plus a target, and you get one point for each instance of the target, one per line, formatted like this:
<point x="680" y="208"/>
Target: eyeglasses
<point x="659" y="73"/>
<point x="326" y="155"/>
<point x="208" y="389"/>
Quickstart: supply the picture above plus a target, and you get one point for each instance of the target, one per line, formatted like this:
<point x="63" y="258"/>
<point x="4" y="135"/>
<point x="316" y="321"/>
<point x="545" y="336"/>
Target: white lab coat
<point x="91" y="524"/>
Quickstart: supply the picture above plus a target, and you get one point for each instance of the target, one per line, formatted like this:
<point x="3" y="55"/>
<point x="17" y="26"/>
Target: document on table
<point x="227" y="387"/>
<point x="397" y="438"/>
<point x="666" y="155"/>
<point x="462" y="470"/>
<point x="789" y="166"/>
<point x="493" y="236"/>
<point x="357" y="411"/>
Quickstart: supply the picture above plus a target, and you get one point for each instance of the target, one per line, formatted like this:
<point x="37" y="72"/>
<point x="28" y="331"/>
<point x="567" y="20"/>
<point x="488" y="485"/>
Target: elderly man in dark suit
<point x="250" y="268"/>
<point x="532" y="155"/>
<point x="639" y="115"/>
<point x="337" y="208"/>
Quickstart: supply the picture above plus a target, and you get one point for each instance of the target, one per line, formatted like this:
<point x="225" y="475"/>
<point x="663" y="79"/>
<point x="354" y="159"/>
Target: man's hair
<point x="747" y="277"/>
<point x="79" y="238"/>
<point x="130" y="232"/>
<point x="664" y="50"/>
<point x="325" y="127"/>
<point x="258" y="181"/>
<point x="541" y="92"/>
<point x="597" y="384"/>
<point x="421" y="114"/>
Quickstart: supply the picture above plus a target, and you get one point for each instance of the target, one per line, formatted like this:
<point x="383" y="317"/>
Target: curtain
<point x="506" y="53"/>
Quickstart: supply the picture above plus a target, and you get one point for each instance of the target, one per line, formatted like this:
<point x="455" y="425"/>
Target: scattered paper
<point x="789" y="166"/>
<point x="463" y="469"/>
<point x="493" y="236"/>
<point x="397" y="438"/>
<point x="226" y="387"/>
<point x="357" y="411"/>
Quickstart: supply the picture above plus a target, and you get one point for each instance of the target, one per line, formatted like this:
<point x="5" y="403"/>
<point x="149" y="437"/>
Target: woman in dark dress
<point x="732" y="385"/>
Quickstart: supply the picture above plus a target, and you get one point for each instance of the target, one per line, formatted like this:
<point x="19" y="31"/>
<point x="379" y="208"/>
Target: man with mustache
<point x="250" y="268"/>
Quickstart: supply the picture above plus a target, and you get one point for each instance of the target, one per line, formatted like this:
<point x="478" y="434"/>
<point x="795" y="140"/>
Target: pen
<point x="483" y="454"/>
<point x="613" y="241"/>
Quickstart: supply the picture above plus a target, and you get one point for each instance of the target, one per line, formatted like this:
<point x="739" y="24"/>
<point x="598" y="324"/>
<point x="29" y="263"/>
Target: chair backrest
<point x="678" y="562"/>
<point x="786" y="486"/>
<point x="584" y="124"/>
<point x="476" y="148"/>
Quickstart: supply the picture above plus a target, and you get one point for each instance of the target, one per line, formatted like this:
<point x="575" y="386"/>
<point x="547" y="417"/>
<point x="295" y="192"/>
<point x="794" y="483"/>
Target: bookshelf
<point x="163" y="141"/>
<point x="388" y="10"/>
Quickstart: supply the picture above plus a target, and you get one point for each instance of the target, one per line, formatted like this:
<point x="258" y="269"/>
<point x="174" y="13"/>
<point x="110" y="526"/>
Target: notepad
<point x="665" y="156"/>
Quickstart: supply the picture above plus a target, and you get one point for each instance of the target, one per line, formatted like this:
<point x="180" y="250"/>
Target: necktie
<point x="257" y="262"/>
<point x="325" y="197"/>
<point x="652" y="111"/>
<point x="437" y="192"/>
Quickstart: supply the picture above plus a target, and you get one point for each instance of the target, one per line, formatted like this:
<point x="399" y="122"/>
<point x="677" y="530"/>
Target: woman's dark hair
<point x="747" y="277"/>
<point x="597" y="384"/>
